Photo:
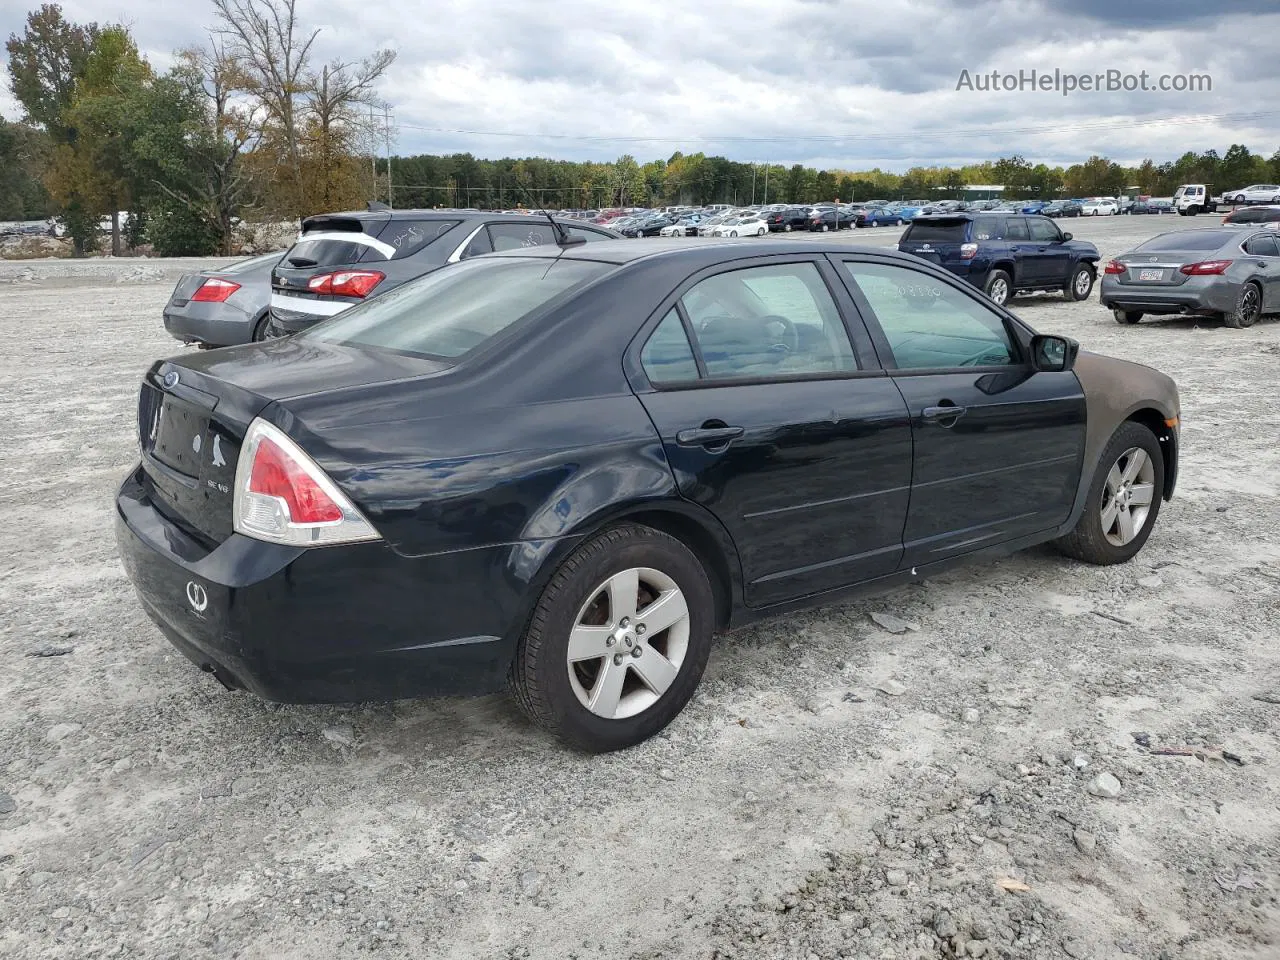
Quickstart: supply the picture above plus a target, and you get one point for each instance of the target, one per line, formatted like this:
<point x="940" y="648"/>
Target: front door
<point x="777" y="422"/>
<point x="998" y="446"/>
<point x="1052" y="257"/>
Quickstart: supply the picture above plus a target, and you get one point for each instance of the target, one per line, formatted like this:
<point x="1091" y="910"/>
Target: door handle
<point x="708" y="436"/>
<point x="946" y="411"/>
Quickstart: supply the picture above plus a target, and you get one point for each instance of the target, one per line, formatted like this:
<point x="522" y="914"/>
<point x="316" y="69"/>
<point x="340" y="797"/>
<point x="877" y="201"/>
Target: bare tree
<point x="337" y="92"/>
<point x="236" y="130"/>
<point x="272" y="53"/>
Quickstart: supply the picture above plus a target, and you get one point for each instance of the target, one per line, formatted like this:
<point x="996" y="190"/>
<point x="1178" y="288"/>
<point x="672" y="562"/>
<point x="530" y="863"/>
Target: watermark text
<point x="1109" y="81"/>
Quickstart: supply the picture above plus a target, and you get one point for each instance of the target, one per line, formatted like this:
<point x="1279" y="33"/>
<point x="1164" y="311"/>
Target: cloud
<point x="848" y="84"/>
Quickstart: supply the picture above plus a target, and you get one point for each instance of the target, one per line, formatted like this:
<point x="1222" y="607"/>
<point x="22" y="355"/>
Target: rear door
<point x="997" y="445"/>
<point x="774" y="416"/>
<point x="1026" y="264"/>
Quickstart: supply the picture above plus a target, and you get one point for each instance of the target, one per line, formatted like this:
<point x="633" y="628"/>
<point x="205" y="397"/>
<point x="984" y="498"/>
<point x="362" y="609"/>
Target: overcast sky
<point x="832" y="83"/>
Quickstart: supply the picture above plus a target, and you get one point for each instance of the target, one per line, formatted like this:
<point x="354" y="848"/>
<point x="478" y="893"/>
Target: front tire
<point x="1123" y="502"/>
<point x="999" y="287"/>
<point x="576" y="671"/>
<point x="733" y="233"/>
<point x="1080" y="284"/>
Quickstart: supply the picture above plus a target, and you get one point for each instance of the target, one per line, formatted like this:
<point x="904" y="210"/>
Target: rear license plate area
<point x="1152" y="276"/>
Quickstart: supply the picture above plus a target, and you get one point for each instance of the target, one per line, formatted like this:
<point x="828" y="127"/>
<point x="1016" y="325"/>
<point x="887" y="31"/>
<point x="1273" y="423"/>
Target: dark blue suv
<point x="1005" y="253"/>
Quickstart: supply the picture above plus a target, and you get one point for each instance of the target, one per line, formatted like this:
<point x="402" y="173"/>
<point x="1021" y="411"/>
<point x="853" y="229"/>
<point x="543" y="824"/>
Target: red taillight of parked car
<point x="214" y="290"/>
<point x="1205" y="268"/>
<point x="1114" y="267"/>
<point x="968" y="251"/>
<point x="275" y="474"/>
<point x="346" y="283"/>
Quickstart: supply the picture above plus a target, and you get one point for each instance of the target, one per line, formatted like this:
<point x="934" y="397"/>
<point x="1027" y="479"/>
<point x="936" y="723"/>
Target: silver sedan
<point x="219" y="308"/>
<point x="1225" y="272"/>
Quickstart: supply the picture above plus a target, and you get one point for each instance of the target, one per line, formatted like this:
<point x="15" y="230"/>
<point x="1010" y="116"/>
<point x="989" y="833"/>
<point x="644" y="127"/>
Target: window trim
<point x="860" y="339"/>
<point x="1267" y="235"/>
<point x="1018" y="332"/>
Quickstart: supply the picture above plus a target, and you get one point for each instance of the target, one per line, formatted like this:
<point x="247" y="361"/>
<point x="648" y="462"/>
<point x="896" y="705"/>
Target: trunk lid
<point x="193" y="413"/>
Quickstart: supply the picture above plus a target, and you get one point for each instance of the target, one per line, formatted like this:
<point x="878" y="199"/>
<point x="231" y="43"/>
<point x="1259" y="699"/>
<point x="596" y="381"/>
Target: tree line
<point x="251" y="127"/>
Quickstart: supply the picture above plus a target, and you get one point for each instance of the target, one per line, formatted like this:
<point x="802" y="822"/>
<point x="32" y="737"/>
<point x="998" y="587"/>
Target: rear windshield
<point x="935" y="231"/>
<point x="328" y="253"/>
<point x="453" y="311"/>
<point x="1188" y="240"/>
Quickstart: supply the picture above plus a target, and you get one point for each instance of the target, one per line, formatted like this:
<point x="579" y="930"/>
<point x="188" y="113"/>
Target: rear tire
<point x="1129" y="317"/>
<point x="999" y="287"/>
<point x="550" y="688"/>
<point x="260" y="329"/>
<point x="1099" y="536"/>
<point x="1080" y="284"/>
<point x="1248" y="308"/>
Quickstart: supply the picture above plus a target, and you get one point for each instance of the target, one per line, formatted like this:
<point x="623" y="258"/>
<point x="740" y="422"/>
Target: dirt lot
<point x="794" y="810"/>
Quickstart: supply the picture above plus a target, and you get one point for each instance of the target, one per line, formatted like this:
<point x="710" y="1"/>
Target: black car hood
<point x="293" y="367"/>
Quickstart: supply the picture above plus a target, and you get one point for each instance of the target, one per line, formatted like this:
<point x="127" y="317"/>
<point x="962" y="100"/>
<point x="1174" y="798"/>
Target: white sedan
<point x="1099" y="208"/>
<point x="751" y="226"/>
<point x="1254" y="193"/>
<point x="675" y="230"/>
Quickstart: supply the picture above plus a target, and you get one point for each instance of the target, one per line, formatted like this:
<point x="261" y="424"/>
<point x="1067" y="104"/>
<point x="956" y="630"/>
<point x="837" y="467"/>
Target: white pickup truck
<point x="1192" y="198"/>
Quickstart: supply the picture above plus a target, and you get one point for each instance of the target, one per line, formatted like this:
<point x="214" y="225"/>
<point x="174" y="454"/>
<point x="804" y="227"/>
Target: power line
<point x="927" y="135"/>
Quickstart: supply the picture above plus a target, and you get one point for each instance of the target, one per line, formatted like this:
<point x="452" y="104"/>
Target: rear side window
<point x="769" y="321"/>
<point x="1262" y="247"/>
<point x="667" y="356"/>
<point x="1016" y="229"/>
<point x="934" y="231"/>
<point x="514" y="236"/>
<point x="410" y="236"/>
<point x="588" y="235"/>
<point x="451" y="312"/>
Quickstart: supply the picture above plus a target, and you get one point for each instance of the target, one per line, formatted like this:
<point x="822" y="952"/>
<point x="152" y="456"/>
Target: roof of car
<point x="632" y="251"/>
<point x="434" y="214"/>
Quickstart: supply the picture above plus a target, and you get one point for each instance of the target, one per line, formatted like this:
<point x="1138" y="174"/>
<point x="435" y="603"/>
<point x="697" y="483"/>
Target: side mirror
<point x="1065" y="237"/>
<point x="1052" y="354"/>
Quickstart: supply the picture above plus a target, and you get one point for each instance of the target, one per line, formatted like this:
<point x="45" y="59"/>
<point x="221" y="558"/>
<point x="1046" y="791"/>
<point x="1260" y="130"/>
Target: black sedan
<point x="792" y="218"/>
<point x="568" y="468"/>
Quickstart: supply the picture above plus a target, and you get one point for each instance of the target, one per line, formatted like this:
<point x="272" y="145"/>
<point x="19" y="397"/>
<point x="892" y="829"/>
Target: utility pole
<point x="766" y="182"/>
<point x="386" y="114"/>
<point x="753" y="183"/>
<point x="373" y="154"/>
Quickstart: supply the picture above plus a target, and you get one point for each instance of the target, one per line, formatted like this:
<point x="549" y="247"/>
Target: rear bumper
<point x="1197" y="295"/>
<point x="330" y="625"/>
<point x="217" y="324"/>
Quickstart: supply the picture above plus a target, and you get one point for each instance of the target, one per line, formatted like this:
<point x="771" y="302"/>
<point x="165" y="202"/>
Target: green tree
<point x="24" y="154"/>
<point x="46" y="63"/>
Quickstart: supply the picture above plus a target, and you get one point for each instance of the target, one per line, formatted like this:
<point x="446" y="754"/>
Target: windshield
<point x="1188" y="240"/>
<point x="453" y="311"/>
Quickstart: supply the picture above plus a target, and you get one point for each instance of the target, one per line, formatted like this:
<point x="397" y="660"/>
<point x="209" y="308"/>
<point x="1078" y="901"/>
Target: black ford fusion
<point x="566" y="468"/>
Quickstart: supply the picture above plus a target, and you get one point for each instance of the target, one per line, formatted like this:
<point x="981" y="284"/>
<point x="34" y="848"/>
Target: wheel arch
<point x="1157" y="423"/>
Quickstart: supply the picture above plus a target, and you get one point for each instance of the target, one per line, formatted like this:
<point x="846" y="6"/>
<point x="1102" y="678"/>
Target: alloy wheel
<point x="1083" y="283"/>
<point x="999" y="291"/>
<point x="1127" y="496"/>
<point x="628" y="643"/>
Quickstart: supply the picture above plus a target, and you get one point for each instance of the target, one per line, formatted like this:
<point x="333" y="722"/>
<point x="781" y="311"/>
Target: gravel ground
<point x="985" y="785"/>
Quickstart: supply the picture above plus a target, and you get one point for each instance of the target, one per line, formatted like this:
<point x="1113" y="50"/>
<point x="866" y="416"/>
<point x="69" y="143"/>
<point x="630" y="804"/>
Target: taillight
<point x="1205" y="268"/>
<point x="1114" y="267"/>
<point x="968" y="251"/>
<point x="282" y="496"/>
<point x="346" y="283"/>
<point x="214" y="290"/>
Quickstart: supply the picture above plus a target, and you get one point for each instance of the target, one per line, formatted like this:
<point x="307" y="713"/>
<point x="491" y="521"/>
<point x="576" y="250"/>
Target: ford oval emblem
<point x="170" y="380"/>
